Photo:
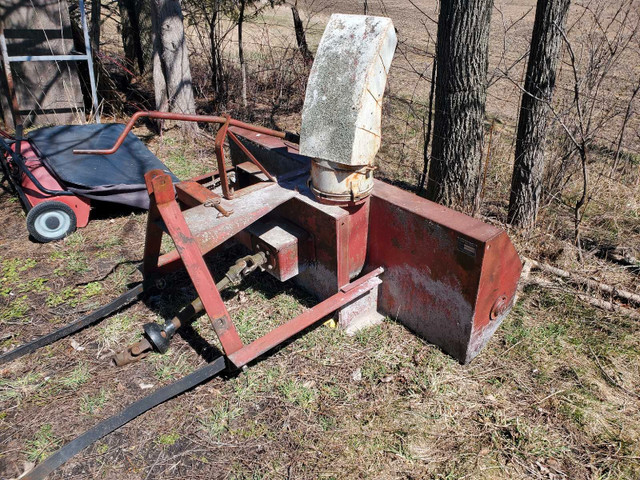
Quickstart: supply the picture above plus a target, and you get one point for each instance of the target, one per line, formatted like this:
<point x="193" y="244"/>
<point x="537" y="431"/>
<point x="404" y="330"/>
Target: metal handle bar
<point x="187" y="118"/>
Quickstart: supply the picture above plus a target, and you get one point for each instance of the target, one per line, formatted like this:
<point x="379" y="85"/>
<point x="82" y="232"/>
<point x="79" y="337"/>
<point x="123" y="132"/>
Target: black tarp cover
<point x="116" y="178"/>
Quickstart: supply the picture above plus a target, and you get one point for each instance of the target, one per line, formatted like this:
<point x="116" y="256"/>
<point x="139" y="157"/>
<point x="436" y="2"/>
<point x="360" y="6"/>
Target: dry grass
<point x="551" y="397"/>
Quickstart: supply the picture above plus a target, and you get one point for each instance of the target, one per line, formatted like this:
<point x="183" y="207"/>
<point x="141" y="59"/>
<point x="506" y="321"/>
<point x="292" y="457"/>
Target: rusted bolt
<point x="212" y="202"/>
<point x="499" y="307"/>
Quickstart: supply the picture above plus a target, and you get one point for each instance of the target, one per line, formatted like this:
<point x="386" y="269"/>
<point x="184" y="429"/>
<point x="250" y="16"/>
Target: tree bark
<point x="218" y="78"/>
<point x="528" y="170"/>
<point x="96" y="7"/>
<point x="462" y="56"/>
<point x="136" y="32"/>
<point x="243" y="65"/>
<point x="301" y="37"/>
<point x="427" y="134"/>
<point x="171" y="69"/>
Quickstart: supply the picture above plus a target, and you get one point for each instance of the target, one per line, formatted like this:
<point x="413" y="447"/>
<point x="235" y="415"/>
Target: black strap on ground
<point x="73" y="327"/>
<point x="132" y="411"/>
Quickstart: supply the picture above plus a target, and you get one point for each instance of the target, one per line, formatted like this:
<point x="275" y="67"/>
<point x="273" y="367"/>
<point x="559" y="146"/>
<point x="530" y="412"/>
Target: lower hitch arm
<point x="157" y="338"/>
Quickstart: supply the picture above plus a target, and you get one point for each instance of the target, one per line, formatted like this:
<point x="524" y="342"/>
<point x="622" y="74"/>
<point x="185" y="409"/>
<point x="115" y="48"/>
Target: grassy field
<point x="555" y="395"/>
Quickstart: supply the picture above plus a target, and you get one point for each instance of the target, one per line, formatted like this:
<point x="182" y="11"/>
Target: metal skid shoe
<point x="165" y="215"/>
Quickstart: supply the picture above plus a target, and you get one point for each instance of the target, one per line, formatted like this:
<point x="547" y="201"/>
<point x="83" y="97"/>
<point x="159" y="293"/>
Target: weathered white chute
<point x="343" y="105"/>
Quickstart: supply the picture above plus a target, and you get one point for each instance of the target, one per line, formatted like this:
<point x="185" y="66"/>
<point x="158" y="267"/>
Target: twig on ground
<point x="596" y="302"/>
<point x="610" y="379"/>
<point x="549" y="396"/>
<point x="582" y="281"/>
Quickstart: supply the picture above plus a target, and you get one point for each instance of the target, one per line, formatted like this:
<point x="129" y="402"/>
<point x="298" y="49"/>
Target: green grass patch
<point x="12" y="271"/>
<point x="68" y="295"/>
<point x="79" y="376"/>
<point x="42" y="445"/>
<point x="303" y="395"/>
<point x="168" y="438"/>
<point x="218" y="420"/>
<point x="73" y="263"/>
<point x="117" y="329"/>
<point x="16" y="310"/>
<point x="90" y="404"/>
<point x="167" y="367"/>
<point x="20" y="387"/>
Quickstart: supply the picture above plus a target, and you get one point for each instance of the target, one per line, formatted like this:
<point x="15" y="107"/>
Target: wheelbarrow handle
<point x="184" y="117"/>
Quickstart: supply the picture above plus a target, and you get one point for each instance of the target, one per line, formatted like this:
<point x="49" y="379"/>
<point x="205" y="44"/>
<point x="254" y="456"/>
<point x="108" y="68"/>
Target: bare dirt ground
<point x="556" y="394"/>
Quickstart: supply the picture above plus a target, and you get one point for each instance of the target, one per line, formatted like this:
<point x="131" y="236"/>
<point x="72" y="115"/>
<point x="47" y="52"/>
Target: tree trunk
<point x="96" y="8"/>
<point x="243" y="65"/>
<point x="462" y="56"/>
<point x="526" y="182"/>
<point x="171" y="70"/>
<point x="301" y="37"/>
<point x="136" y="32"/>
<point x="427" y="134"/>
<point x="218" y="79"/>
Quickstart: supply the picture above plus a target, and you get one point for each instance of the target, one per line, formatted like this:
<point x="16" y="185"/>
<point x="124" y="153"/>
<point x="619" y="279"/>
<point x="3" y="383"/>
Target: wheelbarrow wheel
<point x="50" y="221"/>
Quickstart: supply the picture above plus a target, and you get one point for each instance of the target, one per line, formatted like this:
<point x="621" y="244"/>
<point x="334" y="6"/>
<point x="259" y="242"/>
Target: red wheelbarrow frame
<point x="34" y="183"/>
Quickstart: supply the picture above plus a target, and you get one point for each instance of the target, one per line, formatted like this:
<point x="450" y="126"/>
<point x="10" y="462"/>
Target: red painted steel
<point x="219" y="148"/>
<point x="286" y="245"/>
<point x="328" y="226"/>
<point x="224" y="121"/>
<point x="164" y="206"/>
<point x="449" y="277"/>
<point x="163" y="200"/>
<point x="444" y="270"/>
<point x="354" y="239"/>
<point x="210" y="229"/>
<point x="180" y="117"/>
<point x="249" y="155"/>
<point x="192" y="194"/>
<point x="284" y="332"/>
<point x="80" y="206"/>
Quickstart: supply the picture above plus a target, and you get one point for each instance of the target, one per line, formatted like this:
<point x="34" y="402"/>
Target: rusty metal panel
<point x="193" y="194"/>
<point x="284" y="244"/>
<point x="340" y="233"/>
<point x="322" y="222"/>
<point x="211" y="229"/>
<point x="356" y="237"/>
<point x="443" y="270"/>
<point x="278" y="156"/>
